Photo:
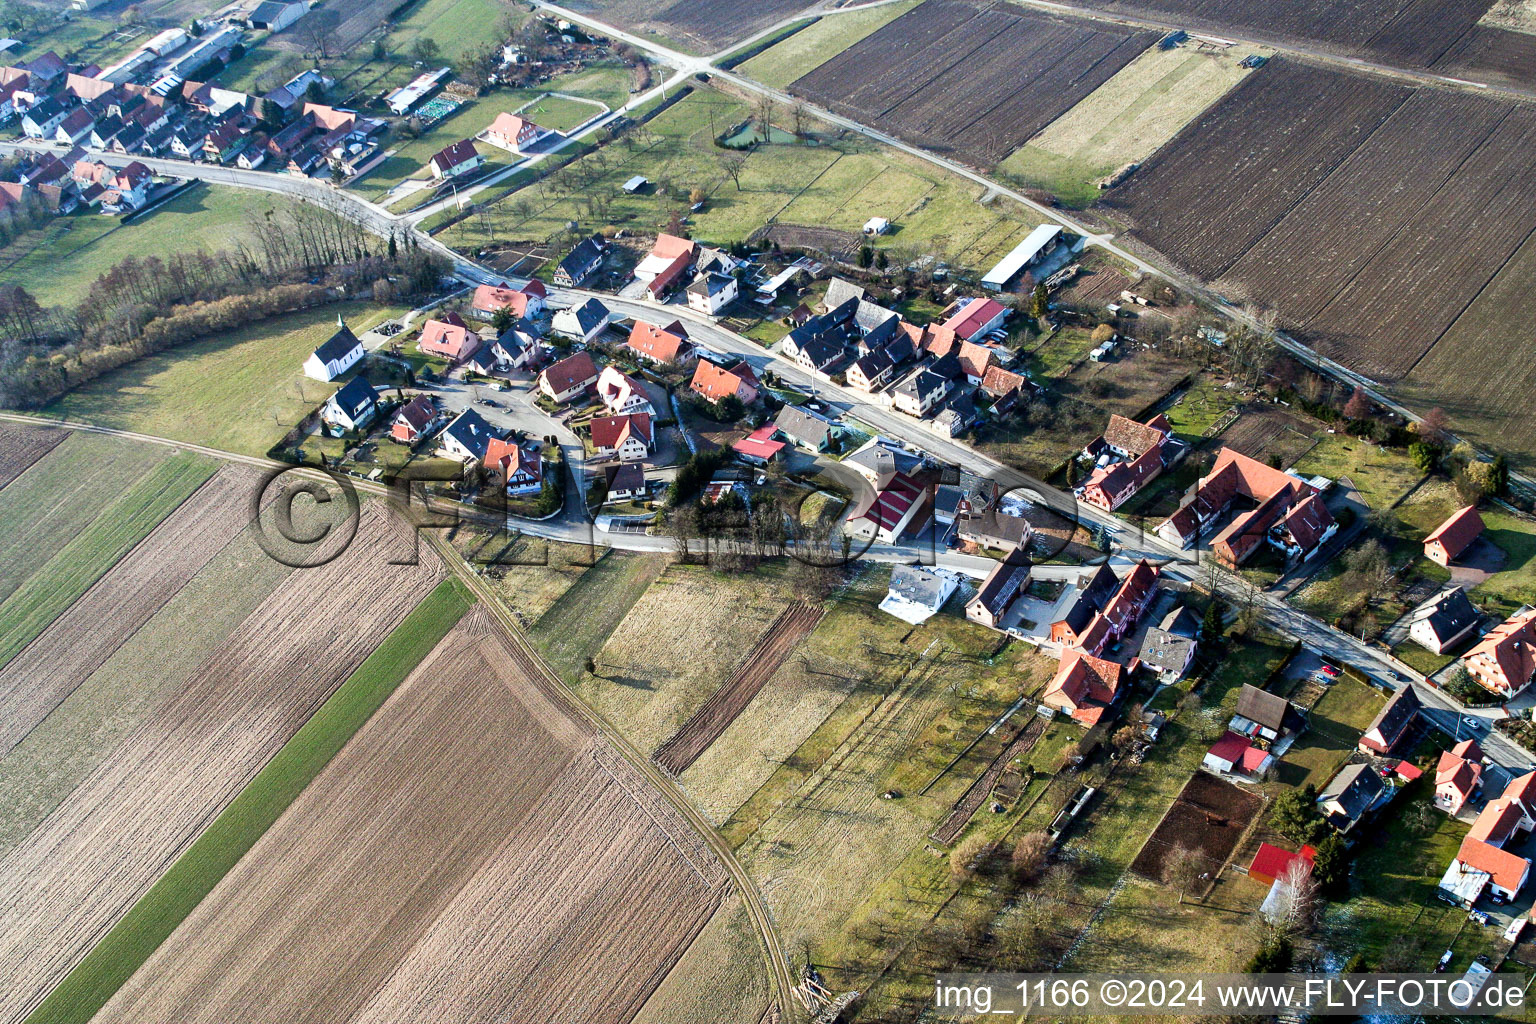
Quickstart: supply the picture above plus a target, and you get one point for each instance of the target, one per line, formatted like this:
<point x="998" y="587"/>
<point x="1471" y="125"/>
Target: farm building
<point x="404" y="99"/>
<point x="1484" y="860"/>
<point x="1453" y="536"/>
<point x="915" y="594"/>
<point x="1271" y="862"/>
<point x="339" y="354"/>
<point x="972" y="318"/>
<point x="1287" y="512"/>
<point x="276" y="15"/>
<point x="1237" y="756"/>
<point x="1127" y="457"/>
<point x="1037" y="245"/>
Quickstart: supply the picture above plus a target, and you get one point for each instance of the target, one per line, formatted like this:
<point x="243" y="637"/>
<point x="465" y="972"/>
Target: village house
<point x="625" y="482"/>
<point x="1001" y="588"/>
<point x="916" y="594"/>
<point x="514" y="133"/>
<point x="568" y="378"/>
<point x="717" y="383"/>
<point x="352" y="407"/>
<point x="1263" y="716"/>
<point x="1453" y="536"/>
<point x="1392" y="723"/>
<point x="1458" y="774"/>
<point x="1084" y="687"/>
<point x="1485" y="861"/>
<point x="518" y="347"/>
<point x="975" y="361"/>
<point x="467" y="438"/>
<point x="1286" y="512"/>
<point x="339" y="354"/>
<point x="450" y="338"/>
<point x="630" y="438"/>
<point x="760" y="447"/>
<point x="1444" y="620"/>
<point x="819" y="355"/>
<point x="1094" y="591"/>
<point x="1004" y="388"/>
<point x="712" y="292"/>
<point x="583" y="322"/>
<point x="454" y="160"/>
<point x="666" y="265"/>
<point x="919" y="393"/>
<point x="519" y="469"/>
<point x="868" y="372"/>
<point x="580" y="263"/>
<point x="1504" y="660"/>
<point x="990" y="526"/>
<point x="805" y="429"/>
<point x="662" y="345"/>
<point x="973" y="318"/>
<point x="1168" y="648"/>
<point x="621" y="394"/>
<point x="415" y="421"/>
<point x="1127" y="457"/>
<point x="527" y="301"/>
<point x="1351" y="794"/>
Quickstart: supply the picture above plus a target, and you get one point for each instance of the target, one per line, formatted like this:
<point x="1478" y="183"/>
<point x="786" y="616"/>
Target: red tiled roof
<point x="1131" y="437"/>
<point x="613" y="431"/>
<point x="714" y="382"/>
<point x="1460" y="530"/>
<point x="489" y="298"/>
<point x="999" y="382"/>
<point x="974" y="359"/>
<point x="454" y="155"/>
<point x="759" y="444"/>
<point x="1084" y="686"/>
<point x="1507" y="870"/>
<point x="1271" y="862"/>
<point x="510" y="458"/>
<point x="569" y="372"/>
<point x="1496" y="822"/>
<point x="674" y="270"/>
<point x="969" y="319"/>
<point x="671" y="246"/>
<point x="660" y="343"/>
<point x="1508" y="650"/>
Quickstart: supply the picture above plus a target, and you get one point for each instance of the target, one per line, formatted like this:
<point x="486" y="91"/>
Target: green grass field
<point x="147" y="924"/>
<point x="240" y="391"/>
<point x="57" y="497"/>
<point x="87" y="557"/>
<point x="1124" y="121"/>
<point x="811" y="47"/>
<point x="1382" y="475"/>
<point x="59" y="264"/>
<point x="456" y="26"/>
<point x="1333" y="729"/>
<point x="835" y="185"/>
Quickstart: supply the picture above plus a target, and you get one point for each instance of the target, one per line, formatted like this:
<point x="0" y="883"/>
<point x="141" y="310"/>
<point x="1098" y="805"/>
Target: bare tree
<point x="1297" y="897"/>
<point x="800" y="117"/>
<point x="1182" y="869"/>
<point x="732" y="164"/>
<point x="319" y="29"/>
<point x="763" y="114"/>
<point x="1029" y="856"/>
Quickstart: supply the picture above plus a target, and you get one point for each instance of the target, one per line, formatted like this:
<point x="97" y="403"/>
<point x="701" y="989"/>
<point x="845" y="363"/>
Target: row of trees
<point x="294" y="258"/>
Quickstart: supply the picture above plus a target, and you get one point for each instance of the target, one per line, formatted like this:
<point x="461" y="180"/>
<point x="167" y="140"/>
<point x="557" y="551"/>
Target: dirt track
<point x="550" y="885"/>
<point x="114" y="836"/>
<point x="21" y="446"/>
<point x="717" y="713"/>
<point x="49" y="668"/>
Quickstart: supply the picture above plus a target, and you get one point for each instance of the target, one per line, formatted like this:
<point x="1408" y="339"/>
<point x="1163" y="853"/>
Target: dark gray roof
<point x="1355" y="788"/>
<point x="1262" y="707"/>
<point x="874" y="364"/>
<point x="1092" y="597"/>
<point x="822" y="350"/>
<point x="840" y="291"/>
<point x="354" y="398"/>
<point x="1399" y="713"/>
<point x="921" y="383"/>
<point x="870" y="315"/>
<point x="337" y="345"/>
<point x="1164" y="650"/>
<point x="880" y="460"/>
<point x="802" y="426"/>
<point x="1004" y="582"/>
<point x="582" y="257"/>
<point x="589" y="314"/>
<point x="1449" y="615"/>
<point x="1180" y="622"/>
<point x="470" y="430"/>
<point x="627" y="476"/>
<point x="947" y="366"/>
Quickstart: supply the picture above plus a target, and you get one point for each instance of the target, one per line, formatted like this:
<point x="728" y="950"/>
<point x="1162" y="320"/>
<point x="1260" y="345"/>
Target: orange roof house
<point x="449" y="337"/>
<point x="1453" y="536"/>
<point x="513" y="132"/>
<point x="667" y="344"/>
<point x="520" y="469"/>
<point x="1457" y="775"/>
<point x="1084" y="686"/>
<point x="1275" y="493"/>
<point x="521" y="302"/>
<point x="716" y="382"/>
<point x="1504" y="660"/>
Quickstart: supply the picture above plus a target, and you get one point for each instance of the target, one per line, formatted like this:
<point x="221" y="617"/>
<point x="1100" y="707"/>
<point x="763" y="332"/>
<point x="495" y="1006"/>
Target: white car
<point x="1471" y="722"/>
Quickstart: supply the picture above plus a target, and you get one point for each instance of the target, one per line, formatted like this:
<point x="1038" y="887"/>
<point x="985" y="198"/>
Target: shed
<point x="635" y="184"/>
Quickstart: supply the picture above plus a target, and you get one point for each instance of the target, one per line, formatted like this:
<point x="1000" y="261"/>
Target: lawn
<point x="833" y="184"/>
<point x="1200" y="408"/>
<point x="559" y="112"/>
<point x="578" y="624"/>
<point x="1381" y="475"/>
<point x="1333" y="729"/>
<point x="456" y="26"/>
<point x="120" y="525"/>
<point x="240" y="391"/>
<point x="58" y="496"/>
<point x="59" y="264"/>
<point x="813" y="46"/>
<point x="237" y="828"/>
<point x="1125" y="120"/>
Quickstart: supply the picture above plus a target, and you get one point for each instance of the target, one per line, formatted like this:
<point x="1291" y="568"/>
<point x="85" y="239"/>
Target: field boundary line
<point x="598" y="760"/>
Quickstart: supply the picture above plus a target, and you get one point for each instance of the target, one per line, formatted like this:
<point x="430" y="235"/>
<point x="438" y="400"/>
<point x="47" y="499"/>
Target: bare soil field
<point x="1389" y="228"/>
<point x="20" y="446"/>
<point x="717" y="979"/>
<point x="720" y="710"/>
<point x="1412" y="33"/>
<point x="1265" y="431"/>
<point x="706" y="26"/>
<point x="1493" y="55"/>
<point x="1209" y="817"/>
<point x="76" y="643"/>
<point x="100" y="850"/>
<point x="973" y="81"/>
<point x="553" y="886"/>
<point x="359" y="20"/>
<point x="955" y="821"/>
